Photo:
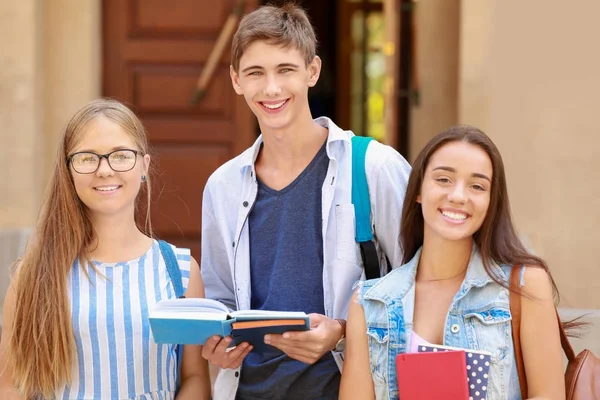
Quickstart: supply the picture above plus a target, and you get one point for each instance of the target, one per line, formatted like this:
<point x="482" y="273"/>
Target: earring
<point x="143" y="178"/>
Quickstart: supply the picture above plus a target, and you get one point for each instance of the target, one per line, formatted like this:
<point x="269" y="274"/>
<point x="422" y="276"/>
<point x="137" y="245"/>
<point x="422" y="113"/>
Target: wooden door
<point x="153" y="53"/>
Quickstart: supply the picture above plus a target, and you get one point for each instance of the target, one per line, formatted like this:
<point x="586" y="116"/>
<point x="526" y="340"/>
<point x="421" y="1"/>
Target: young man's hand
<point x="309" y="346"/>
<point x="215" y="351"/>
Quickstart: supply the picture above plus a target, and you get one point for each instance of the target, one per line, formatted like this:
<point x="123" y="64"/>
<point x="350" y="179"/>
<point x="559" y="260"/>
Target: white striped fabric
<point x="116" y="357"/>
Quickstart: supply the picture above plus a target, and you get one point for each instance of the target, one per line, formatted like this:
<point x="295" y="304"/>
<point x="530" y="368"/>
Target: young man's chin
<point x="274" y="123"/>
<point x="274" y="127"/>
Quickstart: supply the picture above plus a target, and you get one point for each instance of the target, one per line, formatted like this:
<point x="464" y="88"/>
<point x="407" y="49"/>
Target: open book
<point x="194" y="321"/>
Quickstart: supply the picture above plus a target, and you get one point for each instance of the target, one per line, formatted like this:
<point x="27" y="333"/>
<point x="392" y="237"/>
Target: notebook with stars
<point x="477" y="367"/>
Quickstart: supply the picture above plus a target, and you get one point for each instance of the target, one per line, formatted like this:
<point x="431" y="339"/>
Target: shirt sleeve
<point x="387" y="177"/>
<point x="214" y="261"/>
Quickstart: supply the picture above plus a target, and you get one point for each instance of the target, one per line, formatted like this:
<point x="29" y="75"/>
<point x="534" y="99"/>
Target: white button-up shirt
<point x="231" y="192"/>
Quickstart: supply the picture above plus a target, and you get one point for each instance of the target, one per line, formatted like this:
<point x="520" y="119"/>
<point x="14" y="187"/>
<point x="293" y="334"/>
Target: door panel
<point x="153" y="53"/>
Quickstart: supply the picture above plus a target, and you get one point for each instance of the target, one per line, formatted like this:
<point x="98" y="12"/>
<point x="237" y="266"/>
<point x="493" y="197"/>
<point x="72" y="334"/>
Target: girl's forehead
<point x="461" y="154"/>
<point x="103" y="135"/>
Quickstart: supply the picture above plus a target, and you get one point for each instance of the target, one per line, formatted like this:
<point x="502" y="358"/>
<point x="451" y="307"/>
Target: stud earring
<point x="143" y="178"/>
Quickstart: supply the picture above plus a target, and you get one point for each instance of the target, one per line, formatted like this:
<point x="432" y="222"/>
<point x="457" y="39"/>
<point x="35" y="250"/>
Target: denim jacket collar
<point x="389" y="289"/>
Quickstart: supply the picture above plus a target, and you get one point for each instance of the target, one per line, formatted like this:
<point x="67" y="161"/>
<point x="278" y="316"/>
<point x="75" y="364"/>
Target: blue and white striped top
<point x="116" y="357"/>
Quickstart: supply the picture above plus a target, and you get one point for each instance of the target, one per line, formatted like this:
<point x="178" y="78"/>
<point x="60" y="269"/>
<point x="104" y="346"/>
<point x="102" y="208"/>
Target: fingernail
<point x="286" y="335"/>
<point x="228" y="340"/>
<point x="216" y="338"/>
<point x="244" y="345"/>
<point x="267" y="339"/>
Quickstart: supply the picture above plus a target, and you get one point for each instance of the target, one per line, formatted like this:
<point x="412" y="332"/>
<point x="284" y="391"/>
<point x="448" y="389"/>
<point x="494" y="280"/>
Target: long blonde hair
<point x="42" y="347"/>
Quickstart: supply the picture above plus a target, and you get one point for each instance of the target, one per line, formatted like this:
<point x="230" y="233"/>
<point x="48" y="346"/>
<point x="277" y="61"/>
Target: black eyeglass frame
<point x="106" y="156"/>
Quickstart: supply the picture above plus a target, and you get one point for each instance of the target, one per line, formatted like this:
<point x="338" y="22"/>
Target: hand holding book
<point x="309" y="346"/>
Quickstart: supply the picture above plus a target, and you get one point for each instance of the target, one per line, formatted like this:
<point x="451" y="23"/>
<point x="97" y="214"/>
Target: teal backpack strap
<point x="360" y="189"/>
<point x="362" y="207"/>
<point x="175" y="275"/>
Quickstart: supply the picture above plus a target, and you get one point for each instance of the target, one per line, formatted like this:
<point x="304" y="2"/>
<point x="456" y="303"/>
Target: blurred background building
<point x="526" y="72"/>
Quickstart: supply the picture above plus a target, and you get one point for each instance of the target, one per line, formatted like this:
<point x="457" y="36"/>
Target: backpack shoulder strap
<point x="172" y="267"/>
<point x="175" y="275"/>
<point x="360" y="189"/>
<point x="362" y="207"/>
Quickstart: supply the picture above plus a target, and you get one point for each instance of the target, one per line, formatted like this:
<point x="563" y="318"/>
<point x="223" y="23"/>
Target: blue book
<point x="194" y="321"/>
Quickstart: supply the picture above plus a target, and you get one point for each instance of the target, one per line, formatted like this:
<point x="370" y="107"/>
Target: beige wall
<point x="437" y="62"/>
<point x="21" y="115"/>
<point x="49" y="66"/>
<point x="72" y="63"/>
<point x="530" y="77"/>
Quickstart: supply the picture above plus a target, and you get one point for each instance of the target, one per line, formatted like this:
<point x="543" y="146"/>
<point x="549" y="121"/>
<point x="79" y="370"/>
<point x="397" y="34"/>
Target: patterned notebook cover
<point x="478" y="368"/>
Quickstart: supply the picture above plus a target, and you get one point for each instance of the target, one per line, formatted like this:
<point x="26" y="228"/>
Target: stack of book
<point x="442" y="372"/>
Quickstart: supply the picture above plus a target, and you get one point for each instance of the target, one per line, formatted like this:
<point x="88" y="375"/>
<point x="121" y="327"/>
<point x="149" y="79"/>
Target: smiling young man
<point x="278" y="221"/>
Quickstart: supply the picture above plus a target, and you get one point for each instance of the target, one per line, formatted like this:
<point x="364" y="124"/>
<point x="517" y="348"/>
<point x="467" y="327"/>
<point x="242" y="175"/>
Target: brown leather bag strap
<point x="515" y="310"/>
<point x="564" y="341"/>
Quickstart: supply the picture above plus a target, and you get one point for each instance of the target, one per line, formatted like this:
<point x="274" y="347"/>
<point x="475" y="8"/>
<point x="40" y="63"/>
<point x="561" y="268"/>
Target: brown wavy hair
<point x="41" y="348"/>
<point x="497" y="237"/>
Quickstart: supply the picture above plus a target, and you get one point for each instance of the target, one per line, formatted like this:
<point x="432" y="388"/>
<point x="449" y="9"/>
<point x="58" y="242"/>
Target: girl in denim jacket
<point x="459" y="246"/>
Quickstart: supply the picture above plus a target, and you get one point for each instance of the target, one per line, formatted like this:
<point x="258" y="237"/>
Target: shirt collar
<point x="248" y="157"/>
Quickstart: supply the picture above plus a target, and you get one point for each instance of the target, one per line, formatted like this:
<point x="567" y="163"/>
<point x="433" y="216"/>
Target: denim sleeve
<point x="506" y="278"/>
<point x="358" y="287"/>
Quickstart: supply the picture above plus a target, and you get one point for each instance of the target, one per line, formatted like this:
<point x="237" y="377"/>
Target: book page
<point x="268" y="314"/>
<point x="443" y="347"/>
<point x="191" y="308"/>
<point x="267" y="323"/>
<point x="191" y="315"/>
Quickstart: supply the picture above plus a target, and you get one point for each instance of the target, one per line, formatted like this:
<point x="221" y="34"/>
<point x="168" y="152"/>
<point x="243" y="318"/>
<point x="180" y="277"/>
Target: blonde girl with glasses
<point x="75" y="322"/>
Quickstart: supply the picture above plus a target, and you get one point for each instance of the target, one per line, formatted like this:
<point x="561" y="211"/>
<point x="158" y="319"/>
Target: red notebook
<point x="432" y="376"/>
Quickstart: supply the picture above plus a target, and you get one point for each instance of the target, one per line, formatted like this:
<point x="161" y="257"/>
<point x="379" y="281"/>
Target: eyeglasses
<point x="87" y="162"/>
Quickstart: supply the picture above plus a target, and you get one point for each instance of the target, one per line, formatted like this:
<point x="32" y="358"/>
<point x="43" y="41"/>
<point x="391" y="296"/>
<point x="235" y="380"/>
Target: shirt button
<point x="237" y="374"/>
<point x="455" y="328"/>
<point x="245" y="204"/>
<point x="232" y="244"/>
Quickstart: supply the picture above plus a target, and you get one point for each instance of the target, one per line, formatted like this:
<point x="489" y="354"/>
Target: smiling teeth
<point x="107" y="188"/>
<point x="274" y="106"/>
<point x="455" y="216"/>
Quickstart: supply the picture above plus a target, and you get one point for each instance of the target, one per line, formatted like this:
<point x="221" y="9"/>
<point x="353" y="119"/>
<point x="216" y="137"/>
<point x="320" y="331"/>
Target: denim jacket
<point x="478" y="318"/>
<point x="230" y="194"/>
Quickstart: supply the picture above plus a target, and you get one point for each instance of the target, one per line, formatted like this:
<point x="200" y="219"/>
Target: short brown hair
<point x="288" y="26"/>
